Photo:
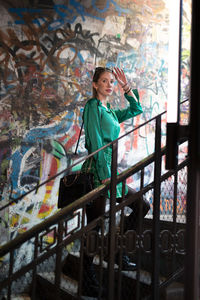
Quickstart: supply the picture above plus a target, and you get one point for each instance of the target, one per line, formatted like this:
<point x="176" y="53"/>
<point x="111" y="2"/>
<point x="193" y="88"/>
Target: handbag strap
<point x="77" y="148"/>
<point x="75" y="152"/>
<point x="78" y="138"/>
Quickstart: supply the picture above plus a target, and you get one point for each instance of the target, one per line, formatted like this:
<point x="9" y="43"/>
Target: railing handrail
<point x="61" y="214"/>
<point x="82" y="159"/>
<point x="52" y="219"/>
<point x="63" y="234"/>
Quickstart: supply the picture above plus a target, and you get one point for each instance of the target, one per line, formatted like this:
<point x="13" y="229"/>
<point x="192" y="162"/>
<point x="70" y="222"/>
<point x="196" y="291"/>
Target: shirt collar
<point x="107" y="104"/>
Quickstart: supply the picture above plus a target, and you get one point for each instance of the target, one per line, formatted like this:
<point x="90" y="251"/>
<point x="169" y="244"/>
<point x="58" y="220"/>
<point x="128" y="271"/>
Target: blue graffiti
<point x="67" y="16"/>
<point x="64" y="13"/>
<point x="20" y="11"/>
<point x="128" y="61"/>
<point x="78" y="55"/>
<point x="117" y="7"/>
<point x="35" y="137"/>
<point x="162" y="67"/>
<point x="101" y="10"/>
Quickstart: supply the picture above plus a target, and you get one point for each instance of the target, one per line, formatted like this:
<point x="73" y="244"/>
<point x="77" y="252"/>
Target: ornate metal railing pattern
<point x="157" y="246"/>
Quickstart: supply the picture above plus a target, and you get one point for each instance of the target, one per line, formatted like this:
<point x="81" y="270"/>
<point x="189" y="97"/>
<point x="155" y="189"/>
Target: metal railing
<point x="153" y="245"/>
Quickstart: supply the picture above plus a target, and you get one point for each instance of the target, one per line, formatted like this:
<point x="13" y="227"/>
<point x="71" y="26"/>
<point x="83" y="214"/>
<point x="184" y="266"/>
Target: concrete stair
<point x="69" y="283"/>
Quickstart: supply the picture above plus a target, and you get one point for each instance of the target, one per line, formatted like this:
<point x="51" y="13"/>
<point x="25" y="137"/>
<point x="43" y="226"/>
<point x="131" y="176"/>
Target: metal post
<point x="172" y="146"/>
<point x="193" y="193"/>
<point x="156" y="212"/>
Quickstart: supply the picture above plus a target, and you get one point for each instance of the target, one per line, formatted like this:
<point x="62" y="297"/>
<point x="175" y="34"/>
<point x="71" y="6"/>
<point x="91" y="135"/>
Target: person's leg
<point x="91" y="286"/>
<point x="132" y="221"/>
<point x="96" y="208"/>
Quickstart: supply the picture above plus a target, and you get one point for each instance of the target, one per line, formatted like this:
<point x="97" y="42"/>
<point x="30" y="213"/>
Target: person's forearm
<point x="129" y="92"/>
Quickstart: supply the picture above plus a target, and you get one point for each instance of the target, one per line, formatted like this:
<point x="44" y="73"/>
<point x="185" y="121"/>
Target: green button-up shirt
<point x="101" y="126"/>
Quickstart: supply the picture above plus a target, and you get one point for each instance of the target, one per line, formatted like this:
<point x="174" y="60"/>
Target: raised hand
<point x="120" y="76"/>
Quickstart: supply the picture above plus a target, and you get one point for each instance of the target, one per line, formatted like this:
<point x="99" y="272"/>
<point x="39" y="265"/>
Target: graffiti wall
<point x="48" y="51"/>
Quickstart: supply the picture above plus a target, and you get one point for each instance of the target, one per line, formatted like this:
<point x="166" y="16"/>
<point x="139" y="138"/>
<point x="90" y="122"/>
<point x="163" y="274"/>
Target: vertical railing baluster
<point x="174" y="230"/>
<point x="156" y="212"/>
<point x="58" y="259"/>
<point x="139" y="256"/>
<point x="34" y="271"/>
<point x="82" y="253"/>
<point x="10" y="274"/>
<point x="122" y="217"/>
<point x="112" y="229"/>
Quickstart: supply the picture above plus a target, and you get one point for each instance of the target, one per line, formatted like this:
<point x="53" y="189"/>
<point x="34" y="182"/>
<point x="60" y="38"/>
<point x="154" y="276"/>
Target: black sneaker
<point x="127" y="265"/>
<point x="91" y="285"/>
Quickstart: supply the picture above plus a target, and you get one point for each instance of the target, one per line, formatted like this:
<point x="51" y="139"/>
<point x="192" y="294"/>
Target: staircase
<point x="158" y="247"/>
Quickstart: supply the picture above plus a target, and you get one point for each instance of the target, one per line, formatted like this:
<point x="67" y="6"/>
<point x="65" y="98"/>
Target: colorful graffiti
<point x="48" y="51"/>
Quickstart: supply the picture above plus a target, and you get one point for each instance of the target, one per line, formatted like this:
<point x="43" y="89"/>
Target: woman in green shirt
<point x="102" y="126"/>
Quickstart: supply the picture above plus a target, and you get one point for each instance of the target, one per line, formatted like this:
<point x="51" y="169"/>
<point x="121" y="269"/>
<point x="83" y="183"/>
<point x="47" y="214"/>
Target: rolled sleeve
<point x="132" y="110"/>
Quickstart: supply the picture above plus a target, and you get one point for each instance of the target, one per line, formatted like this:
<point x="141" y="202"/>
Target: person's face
<point x="105" y="85"/>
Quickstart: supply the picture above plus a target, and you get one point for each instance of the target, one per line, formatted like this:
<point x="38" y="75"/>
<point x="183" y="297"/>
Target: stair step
<point x="175" y="291"/>
<point x="68" y="286"/>
<point x="73" y="260"/>
<point x="144" y="276"/>
<point x="69" y="281"/>
<point x="20" y="297"/>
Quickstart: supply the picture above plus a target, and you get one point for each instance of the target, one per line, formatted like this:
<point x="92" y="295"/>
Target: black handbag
<point x="74" y="185"/>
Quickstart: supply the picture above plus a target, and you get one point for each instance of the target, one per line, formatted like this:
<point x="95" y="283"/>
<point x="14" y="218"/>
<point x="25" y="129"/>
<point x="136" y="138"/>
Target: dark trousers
<point x="97" y="209"/>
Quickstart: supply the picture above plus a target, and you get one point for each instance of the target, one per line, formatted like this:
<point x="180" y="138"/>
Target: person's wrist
<point x="126" y="88"/>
